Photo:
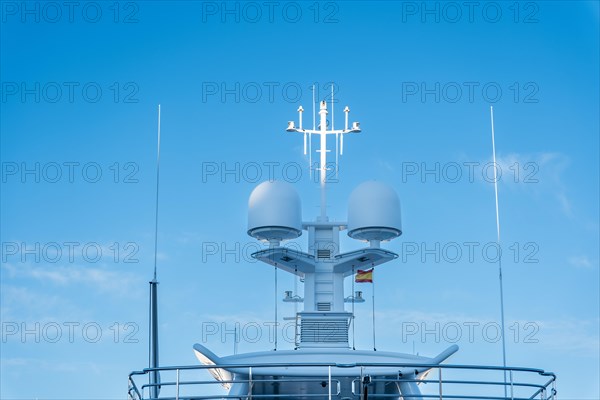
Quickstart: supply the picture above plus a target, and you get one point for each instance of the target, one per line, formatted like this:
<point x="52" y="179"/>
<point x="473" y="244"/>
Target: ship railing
<point x="183" y="382"/>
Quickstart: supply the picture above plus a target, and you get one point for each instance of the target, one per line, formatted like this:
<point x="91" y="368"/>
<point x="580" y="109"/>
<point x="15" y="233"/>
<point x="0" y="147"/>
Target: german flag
<point x="365" y="276"/>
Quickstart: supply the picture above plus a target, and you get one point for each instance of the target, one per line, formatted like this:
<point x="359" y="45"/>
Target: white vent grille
<point x="323" y="306"/>
<point x="324" y="330"/>
<point x="324" y="253"/>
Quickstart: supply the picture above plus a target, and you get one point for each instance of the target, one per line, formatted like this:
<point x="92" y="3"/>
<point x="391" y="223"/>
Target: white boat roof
<point x="281" y="362"/>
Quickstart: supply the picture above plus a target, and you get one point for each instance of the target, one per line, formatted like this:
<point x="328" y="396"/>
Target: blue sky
<point x="78" y="108"/>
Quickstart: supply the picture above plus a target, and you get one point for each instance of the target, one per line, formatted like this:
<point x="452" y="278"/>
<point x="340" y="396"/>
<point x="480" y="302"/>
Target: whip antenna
<point x="156" y="203"/>
<point x="499" y="250"/>
<point x="337" y="149"/>
<point x="310" y="134"/>
<point x="153" y="320"/>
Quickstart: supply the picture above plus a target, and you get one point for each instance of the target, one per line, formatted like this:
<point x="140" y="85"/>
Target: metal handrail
<point x="343" y="365"/>
<point x="461" y="382"/>
<point x="545" y="390"/>
<point x="132" y="386"/>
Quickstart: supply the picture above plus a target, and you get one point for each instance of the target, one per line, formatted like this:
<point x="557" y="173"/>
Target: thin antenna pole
<point x="313" y="108"/>
<point x="373" y="296"/>
<point x="156" y="203"/>
<point x="337" y="152"/>
<point x="499" y="250"/>
<point x="235" y="339"/>
<point x="310" y="166"/>
<point x="310" y="155"/>
<point x="154" y="376"/>
<point x="323" y="160"/>
<point x="296" y="277"/>
<point x="275" y="308"/>
<point x="332" y="120"/>
<point x="305" y="144"/>
<point x="353" y="314"/>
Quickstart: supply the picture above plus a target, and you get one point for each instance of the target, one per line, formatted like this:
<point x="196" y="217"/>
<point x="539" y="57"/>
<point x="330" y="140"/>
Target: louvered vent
<point x="323" y="253"/>
<point x="323" y="330"/>
<point x="323" y="306"/>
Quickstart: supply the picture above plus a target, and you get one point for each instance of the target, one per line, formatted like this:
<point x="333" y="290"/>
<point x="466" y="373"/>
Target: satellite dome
<point x="374" y="212"/>
<point x="274" y="212"/>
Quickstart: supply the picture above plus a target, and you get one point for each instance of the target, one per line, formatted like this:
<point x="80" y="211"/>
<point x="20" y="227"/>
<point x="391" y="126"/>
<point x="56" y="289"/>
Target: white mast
<point x="323" y="132"/>
<point x="274" y="215"/>
<point x="323" y="159"/>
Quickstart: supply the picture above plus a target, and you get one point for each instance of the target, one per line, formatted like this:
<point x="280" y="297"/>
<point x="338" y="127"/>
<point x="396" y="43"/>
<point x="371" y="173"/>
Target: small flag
<point x="364" y="276"/>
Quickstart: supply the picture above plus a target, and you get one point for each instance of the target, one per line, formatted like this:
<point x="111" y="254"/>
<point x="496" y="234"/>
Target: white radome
<point x="274" y="212"/>
<point x="374" y="212"/>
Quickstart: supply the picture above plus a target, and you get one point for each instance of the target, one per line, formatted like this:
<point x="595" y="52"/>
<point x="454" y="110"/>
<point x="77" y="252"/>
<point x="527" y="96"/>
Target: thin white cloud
<point x="573" y="336"/>
<point x="101" y="279"/>
<point x="53" y="366"/>
<point x="539" y="172"/>
<point x="581" y="261"/>
<point x="27" y="304"/>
